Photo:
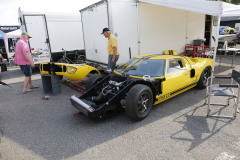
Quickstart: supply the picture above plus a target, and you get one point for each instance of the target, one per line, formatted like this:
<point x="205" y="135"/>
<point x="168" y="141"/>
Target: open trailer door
<point x="94" y="19"/>
<point x="39" y="44"/>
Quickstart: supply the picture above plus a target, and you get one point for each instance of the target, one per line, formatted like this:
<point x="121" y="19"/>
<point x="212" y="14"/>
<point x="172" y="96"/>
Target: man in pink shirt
<point x="23" y="58"/>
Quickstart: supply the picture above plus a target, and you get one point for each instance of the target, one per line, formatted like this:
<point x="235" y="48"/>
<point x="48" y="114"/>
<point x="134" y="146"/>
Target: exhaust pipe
<point x="82" y="104"/>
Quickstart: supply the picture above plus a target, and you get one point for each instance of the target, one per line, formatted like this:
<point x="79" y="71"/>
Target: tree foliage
<point x="230" y="1"/>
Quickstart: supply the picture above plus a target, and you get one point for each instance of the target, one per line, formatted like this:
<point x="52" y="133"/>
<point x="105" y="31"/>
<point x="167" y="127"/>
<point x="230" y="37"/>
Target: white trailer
<point x="144" y="27"/>
<point x="51" y="33"/>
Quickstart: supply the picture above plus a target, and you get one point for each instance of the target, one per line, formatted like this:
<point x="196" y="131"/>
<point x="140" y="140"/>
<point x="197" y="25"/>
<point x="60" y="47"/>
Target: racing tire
<point x="139" y="102"/>
<point x="220" y="45"/>
<point x="202" y="83"/>
<point x="231" y="32"/>
<point x="62" y="60"/>
<point x="94" y="79"/>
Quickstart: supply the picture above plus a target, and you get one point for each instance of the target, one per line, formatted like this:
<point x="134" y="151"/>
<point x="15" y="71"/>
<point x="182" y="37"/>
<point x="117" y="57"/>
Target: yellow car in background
<point x="230" y="30"/>
<point x="74" y="72"/>
<point x="226" y="30"/>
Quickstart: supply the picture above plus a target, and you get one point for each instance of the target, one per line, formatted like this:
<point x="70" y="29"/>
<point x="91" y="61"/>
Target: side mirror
<point x="192" y="73"/>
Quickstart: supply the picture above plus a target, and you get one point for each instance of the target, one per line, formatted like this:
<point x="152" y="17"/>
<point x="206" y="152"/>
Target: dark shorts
<point x="26" y="69"/>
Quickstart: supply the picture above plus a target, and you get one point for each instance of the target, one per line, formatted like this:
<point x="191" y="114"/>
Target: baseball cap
<point x="105" y="30"/>
<point x="26" y="34"/>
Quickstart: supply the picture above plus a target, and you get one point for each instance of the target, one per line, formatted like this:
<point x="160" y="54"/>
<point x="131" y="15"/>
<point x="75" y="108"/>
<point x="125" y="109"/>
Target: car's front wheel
<point x="202" y="83"/>
<point x="139" y="102"/>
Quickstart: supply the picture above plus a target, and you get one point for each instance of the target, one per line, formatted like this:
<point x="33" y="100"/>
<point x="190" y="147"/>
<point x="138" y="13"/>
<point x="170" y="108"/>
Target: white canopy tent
<point x="13" y="34"/>
<point x="229" y="10"/>
<point x="213" y="8"/>
<point x="198" y="6"/>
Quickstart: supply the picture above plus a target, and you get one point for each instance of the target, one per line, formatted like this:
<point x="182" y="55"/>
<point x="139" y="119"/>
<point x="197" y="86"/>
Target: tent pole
<point x="138" y="28"/>
<point x="214" y="57"/>
<point x="216" y="44"/>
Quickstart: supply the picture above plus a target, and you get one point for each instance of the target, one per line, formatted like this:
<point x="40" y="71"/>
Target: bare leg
<point x="30" y="82"/>
<point x="26" y="81"/>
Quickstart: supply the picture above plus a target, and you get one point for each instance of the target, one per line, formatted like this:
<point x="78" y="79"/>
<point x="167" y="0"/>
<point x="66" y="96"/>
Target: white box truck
<point x="51" y="34"/>
<point x="141" y="27"/>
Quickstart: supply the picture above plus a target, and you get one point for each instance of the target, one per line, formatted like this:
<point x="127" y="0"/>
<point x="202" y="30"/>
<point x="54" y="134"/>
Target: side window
<point x="175" y="65"/>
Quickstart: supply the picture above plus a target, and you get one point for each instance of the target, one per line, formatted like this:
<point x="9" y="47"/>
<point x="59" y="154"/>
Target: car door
<point x="177" y="76"/>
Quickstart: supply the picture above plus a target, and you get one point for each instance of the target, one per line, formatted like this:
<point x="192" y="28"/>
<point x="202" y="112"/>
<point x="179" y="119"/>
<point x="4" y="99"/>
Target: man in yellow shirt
<point x="113" y="53"/>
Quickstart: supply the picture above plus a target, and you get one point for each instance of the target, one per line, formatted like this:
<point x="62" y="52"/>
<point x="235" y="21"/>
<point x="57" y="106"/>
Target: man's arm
<point x="114" y="53"/>
<point x="28" y="59"/>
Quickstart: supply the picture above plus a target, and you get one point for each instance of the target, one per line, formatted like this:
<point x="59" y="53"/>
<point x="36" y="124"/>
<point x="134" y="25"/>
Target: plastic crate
<point x="51" y="84"/>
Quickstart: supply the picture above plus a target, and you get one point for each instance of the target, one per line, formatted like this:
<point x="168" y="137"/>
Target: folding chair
<point x="224" y="90"/>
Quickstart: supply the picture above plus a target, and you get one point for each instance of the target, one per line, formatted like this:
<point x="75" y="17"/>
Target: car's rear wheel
<point x="94" y="79"/>
<point x="139" y="102"/>
<point x="202" y="83"/>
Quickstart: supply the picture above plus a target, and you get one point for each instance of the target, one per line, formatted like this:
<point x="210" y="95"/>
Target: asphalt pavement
<point x="36" y="129"/>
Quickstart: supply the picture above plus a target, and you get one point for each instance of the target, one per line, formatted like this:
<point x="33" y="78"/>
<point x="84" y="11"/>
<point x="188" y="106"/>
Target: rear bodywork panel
<point x="74" y="72"/>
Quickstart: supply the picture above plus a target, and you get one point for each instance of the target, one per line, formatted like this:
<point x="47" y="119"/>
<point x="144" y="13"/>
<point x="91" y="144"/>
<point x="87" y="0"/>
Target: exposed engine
<point x="108" y="90"/>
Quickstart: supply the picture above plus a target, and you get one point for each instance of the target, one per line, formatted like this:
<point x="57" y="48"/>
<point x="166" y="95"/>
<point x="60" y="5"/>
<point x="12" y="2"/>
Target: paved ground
<point x="176" y="129"/>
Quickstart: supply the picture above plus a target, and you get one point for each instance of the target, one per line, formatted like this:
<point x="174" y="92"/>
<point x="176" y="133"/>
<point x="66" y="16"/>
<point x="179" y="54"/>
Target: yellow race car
<point x="74" y="72"/>
<point x="140" y="83"/>
<point x="230" y="30"/>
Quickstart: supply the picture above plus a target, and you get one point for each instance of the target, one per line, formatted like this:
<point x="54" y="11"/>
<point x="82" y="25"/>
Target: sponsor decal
<point x="7" y="29"/>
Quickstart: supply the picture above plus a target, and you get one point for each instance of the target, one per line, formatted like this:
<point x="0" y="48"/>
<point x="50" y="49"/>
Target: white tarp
<point x="198" y="6"/>
<point x="214" y="8"/>
<point x="13" y="34"/>
<point x="229" y="10"/>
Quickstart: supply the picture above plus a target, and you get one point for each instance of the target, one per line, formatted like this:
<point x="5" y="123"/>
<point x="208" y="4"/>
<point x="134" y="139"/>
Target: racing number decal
<point x="160" y="98"/>
<point x="163" y="96"/>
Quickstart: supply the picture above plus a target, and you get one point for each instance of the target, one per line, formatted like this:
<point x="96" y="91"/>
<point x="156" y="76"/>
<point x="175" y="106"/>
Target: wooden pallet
<point x="78" y="86"/>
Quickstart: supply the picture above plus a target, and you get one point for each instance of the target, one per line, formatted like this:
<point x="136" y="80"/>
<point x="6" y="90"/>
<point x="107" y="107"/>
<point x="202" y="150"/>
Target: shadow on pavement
<point x="15" y="72"/>
<point x="220" y="69"/>
<point x="47" y="127"/>
<point x="198" y="127"/>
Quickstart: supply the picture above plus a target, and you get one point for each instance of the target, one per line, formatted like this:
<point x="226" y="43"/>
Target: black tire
<point x="202" y="83"/>
<point x="94" y="79"/>
<point x="62" y="60"/>
<point x="220" y="45"/>
<point x="231" y="32"/>
<point x="139" y="102"/>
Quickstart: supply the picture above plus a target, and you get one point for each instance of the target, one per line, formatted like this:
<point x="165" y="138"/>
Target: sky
<point x="9" y="8"/>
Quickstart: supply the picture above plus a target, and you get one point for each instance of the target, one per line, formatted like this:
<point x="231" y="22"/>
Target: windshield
<point x="142" y="67"/>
